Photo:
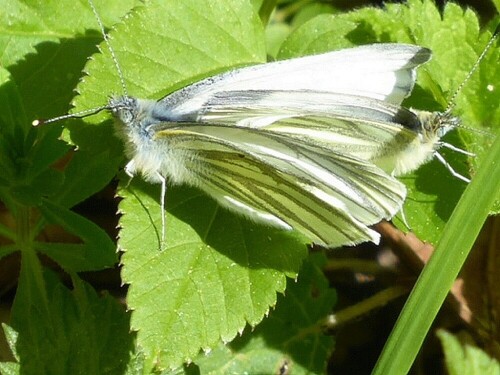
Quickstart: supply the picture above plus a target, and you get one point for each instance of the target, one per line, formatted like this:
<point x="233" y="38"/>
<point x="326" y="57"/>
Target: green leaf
<point x="464" y="358"/>
<point x="86" y="173"/>
<point x="291" y="338"/>
<point x="96" y="252"/>
<point x="322" y="34"/>
<point x="12" y="116"/>
<point x="276" y="33"/>
<point x="311" y="10"/>
<point x="25" y="23"/>
<point x="216" y="272"/>
<point x="75" y="332"/>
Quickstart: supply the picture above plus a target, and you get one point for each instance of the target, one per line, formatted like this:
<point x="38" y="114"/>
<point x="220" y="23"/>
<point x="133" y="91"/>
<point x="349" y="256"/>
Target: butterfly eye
<point x="124" y="108"/>
<point x="126" y="115"/>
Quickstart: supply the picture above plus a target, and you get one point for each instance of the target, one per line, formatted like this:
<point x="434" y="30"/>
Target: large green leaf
<point x="45" y="44"/>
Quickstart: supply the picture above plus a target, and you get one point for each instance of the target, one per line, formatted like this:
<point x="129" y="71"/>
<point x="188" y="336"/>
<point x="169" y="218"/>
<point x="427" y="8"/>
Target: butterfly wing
<point x="257" y="108"/>
<point x="369" y="129"/>
<point x="330" y="197"/>
<point x="379" y="71"/>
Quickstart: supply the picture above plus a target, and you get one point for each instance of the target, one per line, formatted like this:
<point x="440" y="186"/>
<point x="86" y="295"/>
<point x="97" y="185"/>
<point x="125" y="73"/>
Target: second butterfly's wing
<point x="329" y="197"/>
<point x="257" y="109"/>
<point x="365" y="128"/>
<point x="378" y="71"/>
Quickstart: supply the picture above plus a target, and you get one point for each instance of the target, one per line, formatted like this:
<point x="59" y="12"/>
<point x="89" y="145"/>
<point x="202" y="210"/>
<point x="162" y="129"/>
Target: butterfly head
<point x="133" y="122"/>
<point x="436" y="124"/>
<point x="125" y="109"/>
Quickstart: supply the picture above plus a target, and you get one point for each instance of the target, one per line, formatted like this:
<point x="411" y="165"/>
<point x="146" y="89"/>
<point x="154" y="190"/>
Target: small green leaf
<point x="86" y="173"/>
<point x="77" y="333"/>
<point x="322" y="34"/>
<point x="276" y="33"/>
<point x="96" y="252"/>
<point x="311" y="10"/>
<point x="464" y="358"/>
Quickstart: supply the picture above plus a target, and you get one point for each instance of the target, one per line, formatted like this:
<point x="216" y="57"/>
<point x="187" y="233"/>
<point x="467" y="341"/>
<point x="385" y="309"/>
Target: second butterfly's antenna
<point x="111" y="51"/>
<point x="451" y="103"/>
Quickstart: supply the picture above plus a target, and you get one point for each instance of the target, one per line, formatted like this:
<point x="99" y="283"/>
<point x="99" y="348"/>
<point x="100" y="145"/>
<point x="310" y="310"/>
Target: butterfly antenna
<point x="451" y="103"/>
<point x="82" y="114"/>
<point x="111" y="51"/>
<point x="477" y="131"/>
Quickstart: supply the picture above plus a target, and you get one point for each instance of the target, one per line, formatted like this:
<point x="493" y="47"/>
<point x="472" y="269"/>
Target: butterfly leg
<point x="162" y="205"/>
<point x="130" y="171"/>
<point x="403" y="218"/>
<point x="456" y="149"/>
<point x="449" y="167"/>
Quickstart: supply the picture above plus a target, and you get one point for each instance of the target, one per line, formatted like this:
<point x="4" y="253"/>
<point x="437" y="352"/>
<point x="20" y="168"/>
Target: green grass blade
<point x="437" y="277"/>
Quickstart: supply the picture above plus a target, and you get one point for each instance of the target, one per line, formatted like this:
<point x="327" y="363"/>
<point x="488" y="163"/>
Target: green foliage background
<point x="219" y="274"/>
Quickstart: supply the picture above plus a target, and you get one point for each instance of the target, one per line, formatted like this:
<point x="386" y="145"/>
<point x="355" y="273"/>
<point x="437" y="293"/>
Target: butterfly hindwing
<point x="328" y="196"/>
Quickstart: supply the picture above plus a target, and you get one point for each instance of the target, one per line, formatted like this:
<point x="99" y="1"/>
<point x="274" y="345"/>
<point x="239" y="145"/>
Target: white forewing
<point x="378" y="71"/>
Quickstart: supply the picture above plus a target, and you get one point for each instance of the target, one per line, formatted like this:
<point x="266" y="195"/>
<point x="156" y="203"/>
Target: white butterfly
<point x="310" y="143"/>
